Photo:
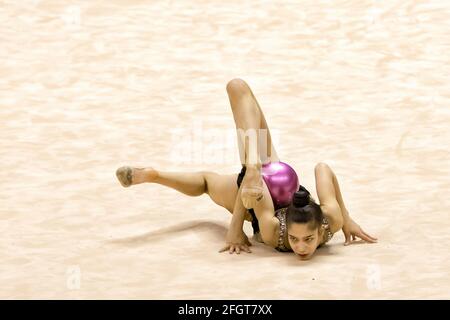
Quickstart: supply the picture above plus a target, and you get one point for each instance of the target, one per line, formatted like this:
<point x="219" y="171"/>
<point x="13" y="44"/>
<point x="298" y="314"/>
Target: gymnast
<point x="266" y="192"/>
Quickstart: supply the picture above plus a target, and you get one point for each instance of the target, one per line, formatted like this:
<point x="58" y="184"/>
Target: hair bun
<point x="301" y="198"/>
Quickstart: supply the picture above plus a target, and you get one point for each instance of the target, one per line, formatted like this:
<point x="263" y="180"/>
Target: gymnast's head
<point x="303" y="221"/>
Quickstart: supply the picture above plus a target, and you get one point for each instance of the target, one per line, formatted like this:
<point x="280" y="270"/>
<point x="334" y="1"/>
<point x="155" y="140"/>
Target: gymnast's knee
<point x="321" y="166"/>
<point x="237" y="87"/>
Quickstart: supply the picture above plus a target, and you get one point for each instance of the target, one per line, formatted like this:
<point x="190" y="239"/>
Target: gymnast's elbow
<point x="334" y="217"/>
<point x="337" y="224"/>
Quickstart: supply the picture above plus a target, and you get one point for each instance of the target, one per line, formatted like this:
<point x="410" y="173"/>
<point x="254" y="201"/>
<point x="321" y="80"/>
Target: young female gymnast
<point x="266" y="192"/>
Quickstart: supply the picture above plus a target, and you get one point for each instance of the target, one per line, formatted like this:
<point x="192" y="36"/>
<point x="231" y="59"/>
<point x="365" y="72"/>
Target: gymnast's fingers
<point x="372" y="238"/>
<point x="347" y="239"/>
<point x="364" y="237"/>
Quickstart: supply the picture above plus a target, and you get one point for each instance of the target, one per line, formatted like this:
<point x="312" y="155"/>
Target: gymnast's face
<point x="304" y="239"/>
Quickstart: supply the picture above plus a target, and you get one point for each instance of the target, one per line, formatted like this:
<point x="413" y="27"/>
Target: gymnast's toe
<point x="124" y="175"/>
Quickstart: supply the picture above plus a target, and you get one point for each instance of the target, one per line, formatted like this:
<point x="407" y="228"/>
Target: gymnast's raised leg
<point x="254" y="139"/>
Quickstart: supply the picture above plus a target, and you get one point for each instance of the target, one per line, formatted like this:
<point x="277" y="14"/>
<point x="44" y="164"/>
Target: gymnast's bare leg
<point x="254" y="139"/>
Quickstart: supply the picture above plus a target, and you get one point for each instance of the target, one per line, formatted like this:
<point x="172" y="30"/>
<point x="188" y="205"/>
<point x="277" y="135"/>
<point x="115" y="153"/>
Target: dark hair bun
<point x="301" y="198"/>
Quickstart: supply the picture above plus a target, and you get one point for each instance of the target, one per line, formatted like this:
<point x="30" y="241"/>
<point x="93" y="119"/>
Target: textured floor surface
<point x="89" y="86"/>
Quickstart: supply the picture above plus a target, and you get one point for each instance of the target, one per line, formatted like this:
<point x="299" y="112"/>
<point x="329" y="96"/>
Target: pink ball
<point x="282" y="182"/>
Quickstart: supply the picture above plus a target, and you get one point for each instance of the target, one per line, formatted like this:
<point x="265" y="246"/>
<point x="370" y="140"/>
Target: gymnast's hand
<point x="236" y="241"/>
<point x="352" y="230"/>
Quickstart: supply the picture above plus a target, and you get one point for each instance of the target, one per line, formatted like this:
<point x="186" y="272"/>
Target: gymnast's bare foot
<point x="252" y="186"/>
<point x="129" y="176"/>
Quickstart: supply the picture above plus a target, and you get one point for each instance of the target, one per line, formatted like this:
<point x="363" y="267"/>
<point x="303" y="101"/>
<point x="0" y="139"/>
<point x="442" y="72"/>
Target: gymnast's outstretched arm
<point x="333" y="207"/>
<point x="236" y="240"/>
